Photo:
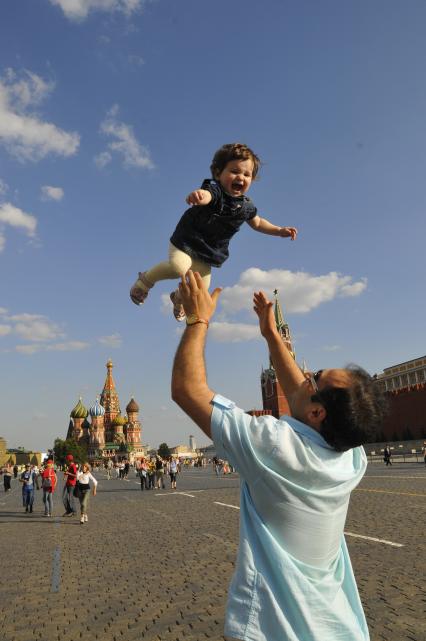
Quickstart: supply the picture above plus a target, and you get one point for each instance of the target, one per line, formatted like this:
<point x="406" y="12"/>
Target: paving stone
<point x="156" y="565"/>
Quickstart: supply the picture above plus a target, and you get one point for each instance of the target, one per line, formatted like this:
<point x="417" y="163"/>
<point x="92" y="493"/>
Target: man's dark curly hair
<point x="233" y="151"/>
<point x="355" y="413"/>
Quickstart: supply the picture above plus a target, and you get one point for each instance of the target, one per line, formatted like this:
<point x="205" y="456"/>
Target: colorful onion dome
<point x="97" y="409"/>
<point x="119" y="420"/>
<point x="132" y="406"/>
<point x="79" y="410"/>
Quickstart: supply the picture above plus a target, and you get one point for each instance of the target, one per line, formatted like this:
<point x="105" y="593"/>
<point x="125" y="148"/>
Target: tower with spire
<point x="133" y="427"/>
<point x="273" y="396"/>
<point x="77" y="424"/>
<point x="111" y="403"/>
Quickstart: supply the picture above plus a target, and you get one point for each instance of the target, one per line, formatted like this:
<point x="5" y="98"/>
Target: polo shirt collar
<point x="306" y="431"/>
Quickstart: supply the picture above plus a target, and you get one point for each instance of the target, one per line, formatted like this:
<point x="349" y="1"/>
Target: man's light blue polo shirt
<point x="293" y="579"/>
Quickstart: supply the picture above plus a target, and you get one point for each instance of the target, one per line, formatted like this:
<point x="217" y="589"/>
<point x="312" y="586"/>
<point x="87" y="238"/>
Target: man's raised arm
<point x="288" y="373"/>
<point x="189" y="381"/>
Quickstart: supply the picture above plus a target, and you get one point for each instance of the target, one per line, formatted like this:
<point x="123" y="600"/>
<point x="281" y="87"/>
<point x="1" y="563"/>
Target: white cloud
<point x="299" y="292"/>
<point x="15" y="217"/>
<point x="103" y="159"/>
<point x="52" y="193"/>
<point x="23" y="133"/>
<point x="233" y="332"/>
<point x="3" y="311"/>
<point x="80" y="9"/>
<point x="123" y="143"/>
<point x="34" y="327"/>
<point x="3" y="187"/>
<point x="114" y="340"/>
<point x="134" y="59"/>
<point x="331" y="348"/>
<point x="5" y="329"/>
<point x="68" y="346"/>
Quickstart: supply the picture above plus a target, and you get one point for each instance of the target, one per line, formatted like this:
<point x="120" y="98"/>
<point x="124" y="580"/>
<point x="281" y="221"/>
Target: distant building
<point x="275" y="402"/>
<point x="182" y="451"/>
<point x="403" y="375"/>
<point x="405" y="387"/>
<point x="192" y="445"/>
<point x="109" y="434"/>
<point x="20" y="456"/>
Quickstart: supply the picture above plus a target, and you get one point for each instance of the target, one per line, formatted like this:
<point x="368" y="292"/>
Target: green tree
<point x="61" y="448"/>
<point x="164" y="450"/>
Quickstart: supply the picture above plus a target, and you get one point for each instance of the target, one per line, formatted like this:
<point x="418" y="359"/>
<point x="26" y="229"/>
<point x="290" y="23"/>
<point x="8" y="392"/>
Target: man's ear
<point x="316" y="414"/>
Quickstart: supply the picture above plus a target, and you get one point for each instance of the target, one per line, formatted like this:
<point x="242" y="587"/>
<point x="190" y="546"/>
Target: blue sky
<point x="110" y="112"/>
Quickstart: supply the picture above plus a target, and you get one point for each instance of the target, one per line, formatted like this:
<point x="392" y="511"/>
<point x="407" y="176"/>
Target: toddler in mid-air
<point x="201" y="238"/>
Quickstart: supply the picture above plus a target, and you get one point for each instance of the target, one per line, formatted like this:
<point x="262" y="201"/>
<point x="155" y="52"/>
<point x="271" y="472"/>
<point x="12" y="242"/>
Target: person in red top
<point x="70" y="477"/>
<point x="48" y="484"/>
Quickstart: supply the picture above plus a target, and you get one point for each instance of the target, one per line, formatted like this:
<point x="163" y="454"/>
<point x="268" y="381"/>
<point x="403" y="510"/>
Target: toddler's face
<point x="236" y="177"/>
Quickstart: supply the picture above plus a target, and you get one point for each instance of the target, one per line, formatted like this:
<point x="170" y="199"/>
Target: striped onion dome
<point x="79" y="410"/>
<point x="132" y="406"/>
<point x="119" y="420"/>
<point x="97" y="409"/>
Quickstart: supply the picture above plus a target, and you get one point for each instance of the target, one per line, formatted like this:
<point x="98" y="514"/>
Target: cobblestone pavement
<point x="156" y="565"/>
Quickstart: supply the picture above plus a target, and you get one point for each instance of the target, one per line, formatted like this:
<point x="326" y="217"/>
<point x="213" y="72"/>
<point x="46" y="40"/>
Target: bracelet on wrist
<point x="193" y="319"/>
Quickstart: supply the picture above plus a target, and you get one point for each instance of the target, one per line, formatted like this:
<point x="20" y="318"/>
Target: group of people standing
<point x="78" y="481"/>
<point x="152" y="472"/>
<point x="120" y="469"/>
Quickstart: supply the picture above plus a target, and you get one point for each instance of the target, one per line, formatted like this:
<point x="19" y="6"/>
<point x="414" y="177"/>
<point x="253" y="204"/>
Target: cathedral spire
<point x="282" y="326"/>
<point x="109" y="397"/>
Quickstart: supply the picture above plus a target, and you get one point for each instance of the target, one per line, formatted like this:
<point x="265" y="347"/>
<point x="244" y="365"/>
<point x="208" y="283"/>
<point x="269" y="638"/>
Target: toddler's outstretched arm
<point x="199" y="197"/>
<point x="265" y="227"/>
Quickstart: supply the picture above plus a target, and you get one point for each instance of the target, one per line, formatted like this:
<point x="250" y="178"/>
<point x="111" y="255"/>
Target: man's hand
<point x="288" y="232"/>
<point x="199" y="197"/>
<point x="195" y="296"/>
<point x="264" y="310"/>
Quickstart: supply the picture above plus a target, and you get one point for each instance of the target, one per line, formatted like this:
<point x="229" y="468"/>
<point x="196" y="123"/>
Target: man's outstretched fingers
<point x="192" y="279"/>
<point x="216" y="293"/>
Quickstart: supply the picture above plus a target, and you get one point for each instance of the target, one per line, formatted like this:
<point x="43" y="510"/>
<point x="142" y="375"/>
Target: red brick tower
<point x="274" y="399"/>
<point x="133" y="427"/>
<point x="111" y="403"/>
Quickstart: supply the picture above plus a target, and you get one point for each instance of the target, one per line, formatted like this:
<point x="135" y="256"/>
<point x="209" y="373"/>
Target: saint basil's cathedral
<point x="108" y="434"/>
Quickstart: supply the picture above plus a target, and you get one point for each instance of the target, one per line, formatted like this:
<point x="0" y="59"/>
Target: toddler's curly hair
<point x="233" y="151"/>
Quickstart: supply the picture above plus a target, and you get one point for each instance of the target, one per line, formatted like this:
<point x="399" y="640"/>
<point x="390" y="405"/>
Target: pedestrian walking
<point x="159" y="472"/>
<point x="109" y="467"/>
<point x="151" y="475"/>
<point x="143" y="474"/>
<point x="7" y="477"/>
<point x="48" y="485"/>
<point x="84" y="479"/>
<point x="173" y="472"/>
<point x="387" y="455"/>
<point x="293" y="577"/>
<point x="70" y="477"/>
<point x="29" y="482"/>
<point x="15" y="471"/>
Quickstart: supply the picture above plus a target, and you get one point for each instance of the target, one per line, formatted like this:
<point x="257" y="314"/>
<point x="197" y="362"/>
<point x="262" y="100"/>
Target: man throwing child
<point x="293" y="579"/>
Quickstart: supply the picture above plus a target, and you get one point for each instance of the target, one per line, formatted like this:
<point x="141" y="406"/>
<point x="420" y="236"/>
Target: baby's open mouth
<point x="237" y="186"/>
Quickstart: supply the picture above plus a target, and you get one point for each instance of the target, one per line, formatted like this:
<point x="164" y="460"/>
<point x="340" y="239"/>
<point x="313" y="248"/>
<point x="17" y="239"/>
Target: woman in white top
<point x="83" y="489"/>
